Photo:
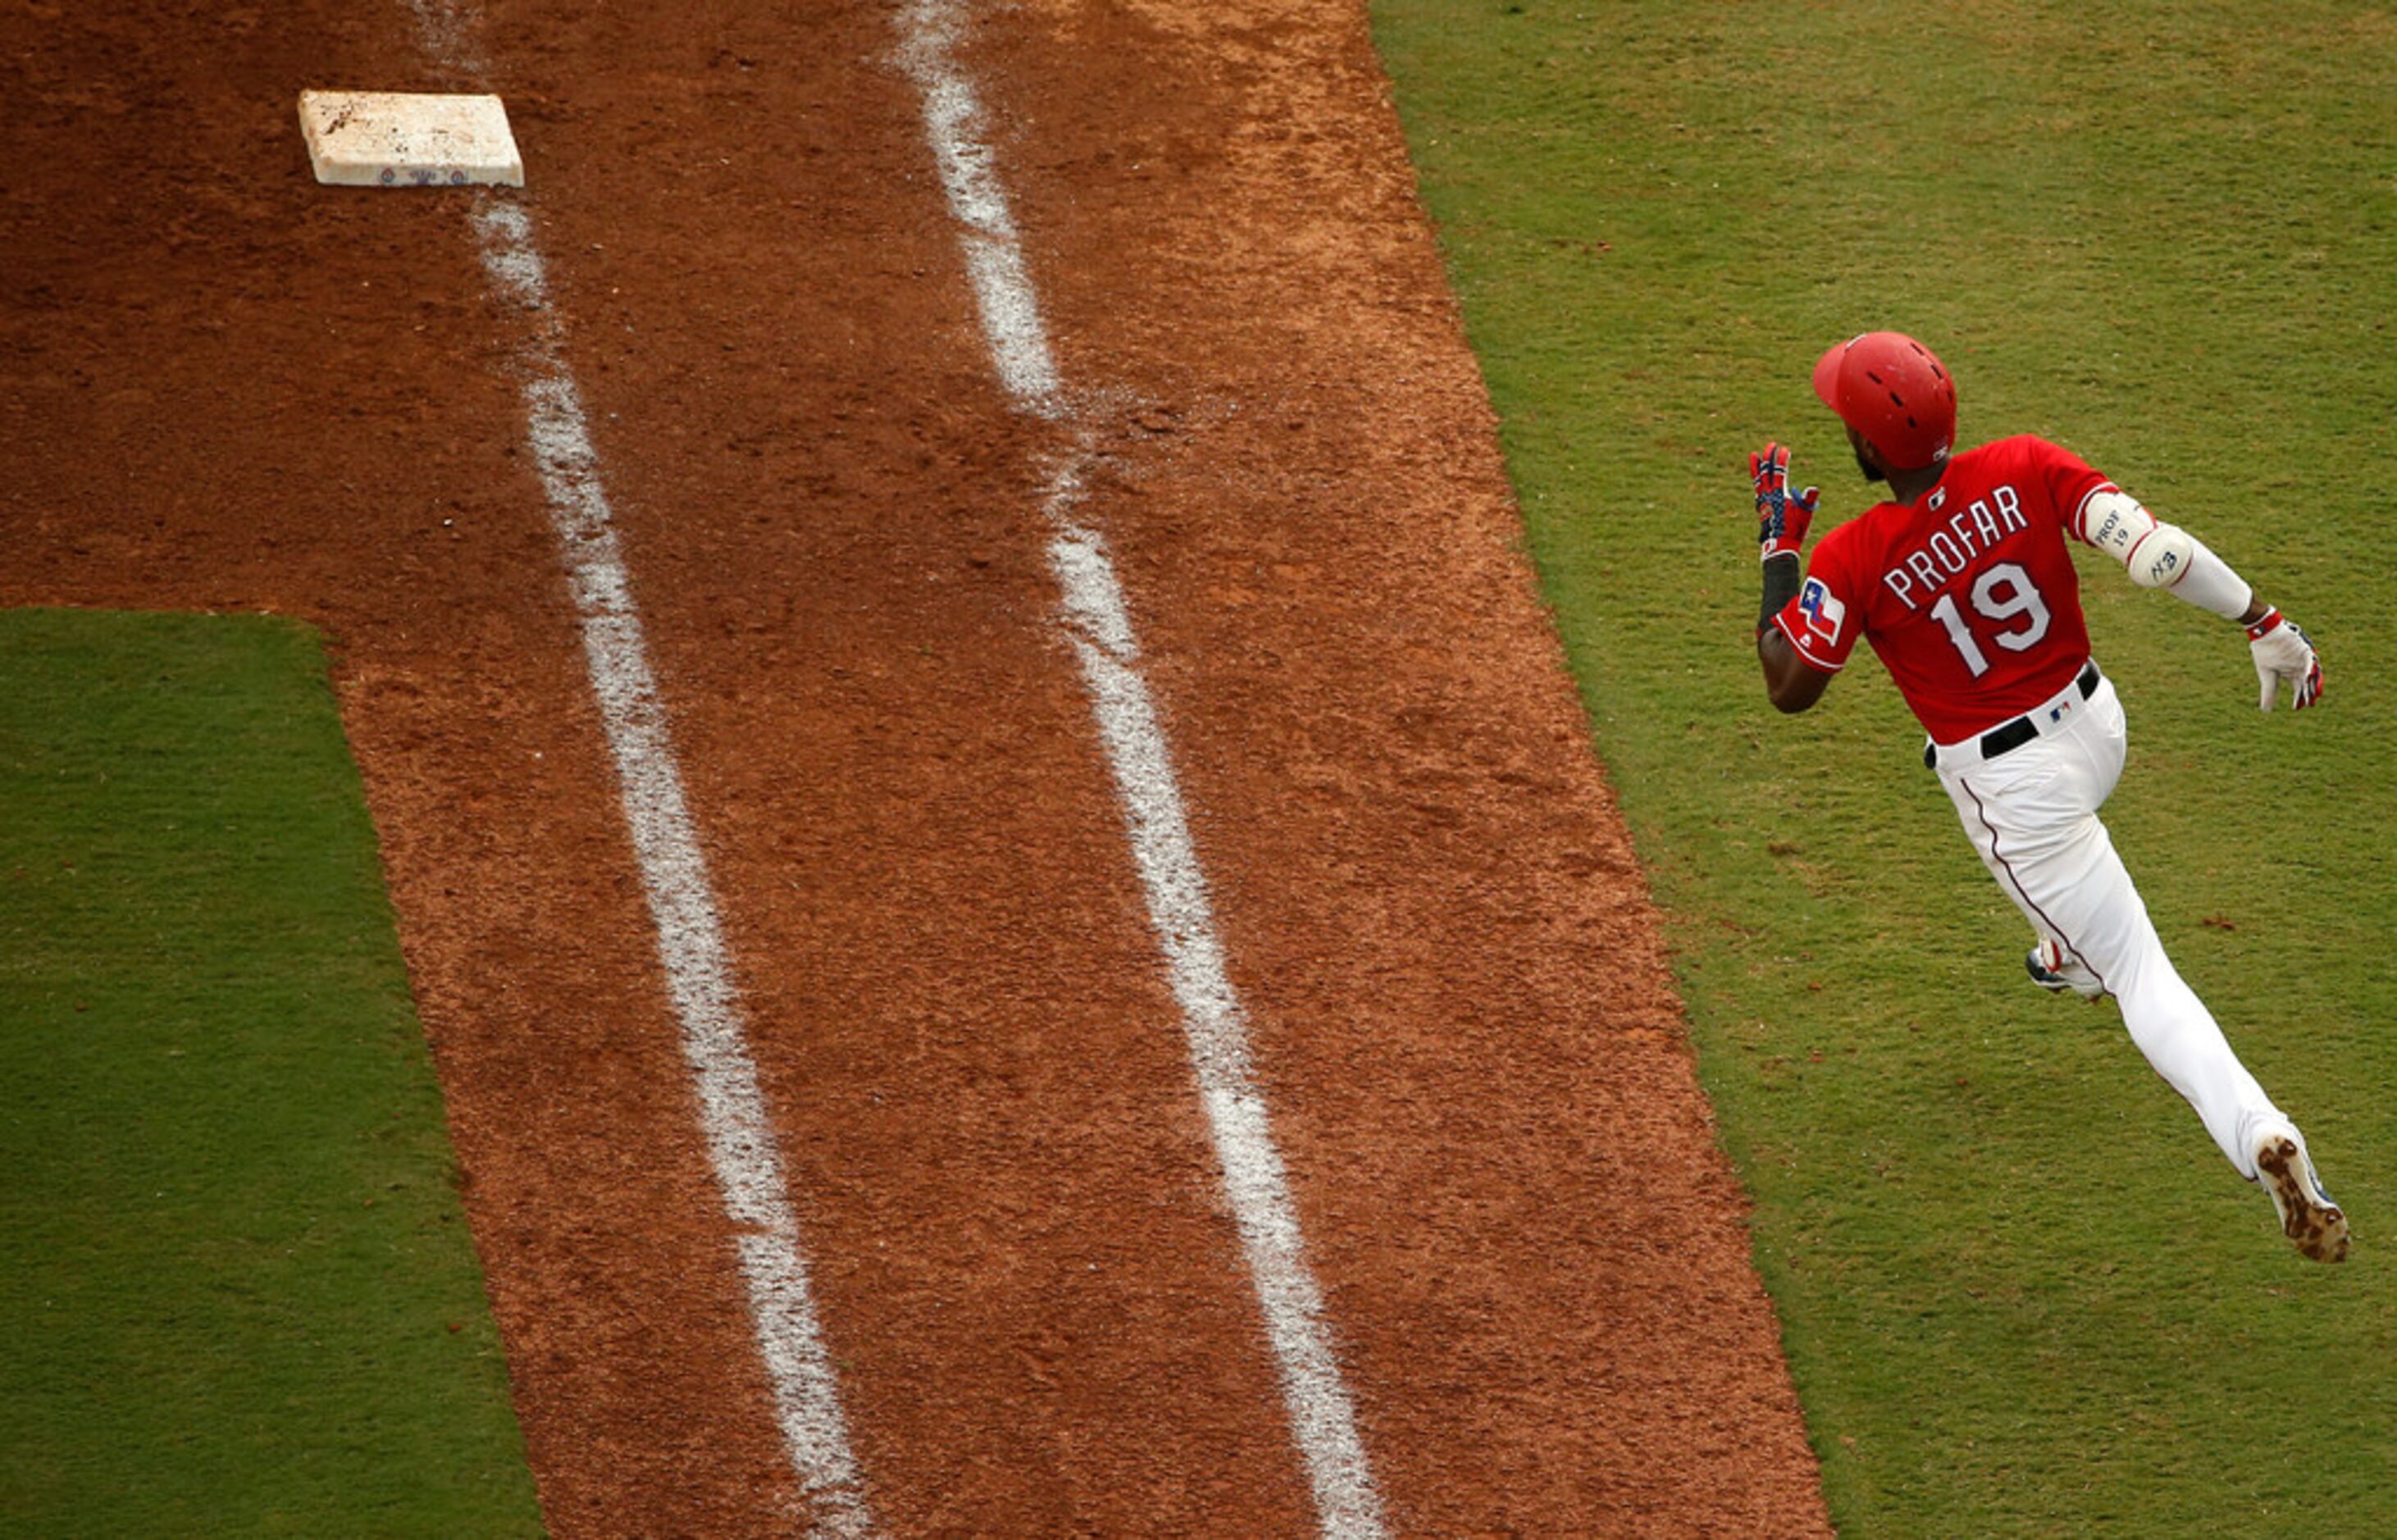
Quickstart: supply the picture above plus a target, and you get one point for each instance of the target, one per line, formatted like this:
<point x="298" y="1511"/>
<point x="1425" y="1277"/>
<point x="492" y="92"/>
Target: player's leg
<point x="2080" y="883"/>
<point x="2032" y="816"/>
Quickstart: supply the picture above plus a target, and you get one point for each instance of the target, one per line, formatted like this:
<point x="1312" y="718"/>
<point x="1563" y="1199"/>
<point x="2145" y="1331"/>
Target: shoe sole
<point x="2317" y="1228"/>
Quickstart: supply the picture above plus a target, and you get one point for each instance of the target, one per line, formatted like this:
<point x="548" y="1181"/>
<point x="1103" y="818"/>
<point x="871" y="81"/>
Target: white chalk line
<point x="698" y="966"/>
<point x="1099" y="626"/>
<point x="700" y="981"/>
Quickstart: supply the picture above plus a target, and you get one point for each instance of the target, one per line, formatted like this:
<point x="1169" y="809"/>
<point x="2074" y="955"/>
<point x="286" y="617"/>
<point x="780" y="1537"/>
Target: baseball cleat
<point x="2055" y="970"/>
<point x="2313" y="1224"/>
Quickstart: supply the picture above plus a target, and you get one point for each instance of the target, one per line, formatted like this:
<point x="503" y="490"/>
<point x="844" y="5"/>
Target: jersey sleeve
<point x="1821" y="623"/>
<point x="2071" y="481"/>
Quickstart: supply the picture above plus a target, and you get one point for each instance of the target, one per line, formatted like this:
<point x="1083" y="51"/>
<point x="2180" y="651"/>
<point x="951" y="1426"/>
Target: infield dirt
<point x="228" y="388"/>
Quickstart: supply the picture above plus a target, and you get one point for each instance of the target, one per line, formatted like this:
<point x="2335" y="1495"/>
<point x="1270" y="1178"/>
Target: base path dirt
<point x="225" y="387"/>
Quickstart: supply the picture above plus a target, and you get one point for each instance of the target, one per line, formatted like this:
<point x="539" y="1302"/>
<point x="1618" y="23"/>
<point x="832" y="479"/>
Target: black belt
<point x="2021" y="731"/>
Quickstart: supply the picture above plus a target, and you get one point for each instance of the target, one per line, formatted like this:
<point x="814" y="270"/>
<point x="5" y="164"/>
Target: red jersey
<point x="1967" y="594"/>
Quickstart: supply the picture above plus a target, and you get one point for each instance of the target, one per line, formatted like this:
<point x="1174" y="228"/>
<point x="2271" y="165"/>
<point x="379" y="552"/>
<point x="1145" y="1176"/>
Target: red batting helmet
<point x="1892" y="390"/>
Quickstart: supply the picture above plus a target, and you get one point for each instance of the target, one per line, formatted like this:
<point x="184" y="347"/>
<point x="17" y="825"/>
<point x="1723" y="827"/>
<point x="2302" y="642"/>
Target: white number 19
<point x="2021" y="599"/>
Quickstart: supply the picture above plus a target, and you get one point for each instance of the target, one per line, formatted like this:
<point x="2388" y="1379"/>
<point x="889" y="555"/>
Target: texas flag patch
<point x="1824" y="615"/>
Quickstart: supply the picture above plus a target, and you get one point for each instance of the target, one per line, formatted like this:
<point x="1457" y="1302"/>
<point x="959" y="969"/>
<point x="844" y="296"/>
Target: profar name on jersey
<point x="1951" y="550"/>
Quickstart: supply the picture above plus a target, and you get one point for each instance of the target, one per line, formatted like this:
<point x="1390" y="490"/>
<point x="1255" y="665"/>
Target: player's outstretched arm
<point x="1781" y="520"/>
<point x="2167" y="557"/>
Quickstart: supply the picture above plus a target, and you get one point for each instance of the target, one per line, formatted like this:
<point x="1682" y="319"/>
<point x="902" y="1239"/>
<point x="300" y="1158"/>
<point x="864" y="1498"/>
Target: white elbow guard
<point x="2163" y="555"/>
<point x="2116" y="524"/>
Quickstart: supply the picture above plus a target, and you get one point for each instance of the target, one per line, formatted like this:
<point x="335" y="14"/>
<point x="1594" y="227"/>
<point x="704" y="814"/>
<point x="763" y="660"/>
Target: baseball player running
<point x="1962" y="582"/>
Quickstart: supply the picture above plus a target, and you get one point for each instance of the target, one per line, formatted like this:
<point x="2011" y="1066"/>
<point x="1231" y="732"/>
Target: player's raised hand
<point x="1782" y="516"/>
<point x="2285" y="654"/>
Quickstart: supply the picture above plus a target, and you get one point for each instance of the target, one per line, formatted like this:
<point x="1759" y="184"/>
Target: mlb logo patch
<point x="1825" y="615"/>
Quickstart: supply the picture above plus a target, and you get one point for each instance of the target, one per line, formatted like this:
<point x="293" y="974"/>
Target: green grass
<point x="2020" y="1291"/>
<point x="239" y="1294"/>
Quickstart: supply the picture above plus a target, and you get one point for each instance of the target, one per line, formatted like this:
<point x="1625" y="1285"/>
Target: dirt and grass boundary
<point x="242" y="1297"/>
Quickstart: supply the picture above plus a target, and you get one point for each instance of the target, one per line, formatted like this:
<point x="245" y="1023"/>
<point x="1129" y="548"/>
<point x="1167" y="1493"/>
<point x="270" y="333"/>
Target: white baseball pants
<point x="2032" y="813"/>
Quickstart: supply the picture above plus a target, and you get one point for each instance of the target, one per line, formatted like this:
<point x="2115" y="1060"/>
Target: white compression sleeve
<point x="2163" y="555"/>
<point x="2209" y="583"/>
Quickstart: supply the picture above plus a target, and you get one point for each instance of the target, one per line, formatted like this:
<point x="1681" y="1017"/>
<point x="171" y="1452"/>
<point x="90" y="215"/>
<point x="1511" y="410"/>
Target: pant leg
<point x="2032" y="815"/>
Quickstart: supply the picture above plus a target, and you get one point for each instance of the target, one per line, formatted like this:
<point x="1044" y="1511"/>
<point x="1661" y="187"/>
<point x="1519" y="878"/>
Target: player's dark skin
<point x="1790" y="683"/>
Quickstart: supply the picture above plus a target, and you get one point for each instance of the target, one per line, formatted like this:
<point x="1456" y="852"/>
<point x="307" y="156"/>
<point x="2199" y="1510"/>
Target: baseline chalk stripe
<point x="1321" y="1418"/>
<point x="1099" y="626"/>
<point x="447" y="28"/>
<point x="674" y="874"/>
<point x="1011" y="316"/>
<point x="742" y="1149"/>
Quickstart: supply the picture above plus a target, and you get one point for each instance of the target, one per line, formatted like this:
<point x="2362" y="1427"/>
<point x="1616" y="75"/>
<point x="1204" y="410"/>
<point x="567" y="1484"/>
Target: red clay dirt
<point x="225" y="387"/>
